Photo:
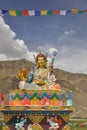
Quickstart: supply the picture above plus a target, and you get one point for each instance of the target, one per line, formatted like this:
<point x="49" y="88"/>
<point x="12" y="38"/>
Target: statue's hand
<point x="22" y="75"/>
<point x="40" y="82"/>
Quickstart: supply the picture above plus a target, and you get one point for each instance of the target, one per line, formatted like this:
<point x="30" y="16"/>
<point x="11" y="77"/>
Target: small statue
<point x="54" y="125"/>
<point x="20" y="125"/>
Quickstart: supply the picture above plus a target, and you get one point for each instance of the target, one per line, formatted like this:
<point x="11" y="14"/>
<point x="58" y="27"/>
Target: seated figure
<point x="41" y="76"/>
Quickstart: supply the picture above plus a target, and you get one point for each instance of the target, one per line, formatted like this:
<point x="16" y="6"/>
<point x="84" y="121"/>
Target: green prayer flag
<point x="18" y="12"/>
<point x="81" y="11"/>
<point x="50" y="12"/>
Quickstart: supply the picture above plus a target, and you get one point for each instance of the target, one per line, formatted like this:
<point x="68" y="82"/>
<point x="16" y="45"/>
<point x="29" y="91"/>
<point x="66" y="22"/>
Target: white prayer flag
<point x="31" y="13"/>
<point x="62" y="12"/>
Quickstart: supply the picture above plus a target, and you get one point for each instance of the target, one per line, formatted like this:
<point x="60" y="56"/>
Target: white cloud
<point x="72" y="60"/>
<point x="69" y="32"/>
<point x="65" y="35"/>
<point x="11" y="48"/>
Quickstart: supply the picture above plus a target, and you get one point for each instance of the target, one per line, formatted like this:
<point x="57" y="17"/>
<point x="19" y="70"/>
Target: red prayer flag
<point x="56" y="11"/>
<point x="25" y="13"/>
<point x="85" y="10"/>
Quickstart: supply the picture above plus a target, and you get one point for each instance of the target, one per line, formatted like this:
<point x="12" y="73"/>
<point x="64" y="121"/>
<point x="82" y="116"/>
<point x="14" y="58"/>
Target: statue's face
<point x="41" y="62"/>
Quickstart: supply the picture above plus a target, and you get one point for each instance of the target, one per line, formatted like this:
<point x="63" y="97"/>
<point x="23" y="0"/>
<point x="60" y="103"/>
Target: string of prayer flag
<point x="41" y="12"/>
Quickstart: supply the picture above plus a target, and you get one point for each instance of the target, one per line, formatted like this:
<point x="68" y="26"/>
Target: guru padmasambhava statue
<point x="40" y="77"/>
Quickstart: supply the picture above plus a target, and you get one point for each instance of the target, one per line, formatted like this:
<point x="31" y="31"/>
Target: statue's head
<point x="41" y="60"/>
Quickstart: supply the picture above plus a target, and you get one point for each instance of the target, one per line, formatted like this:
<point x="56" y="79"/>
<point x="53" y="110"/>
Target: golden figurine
<point x="41" y="75"/>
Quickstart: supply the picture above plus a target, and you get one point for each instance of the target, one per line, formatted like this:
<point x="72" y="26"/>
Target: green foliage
<point x="78" y="128"/>
<point x="75" y="125"/>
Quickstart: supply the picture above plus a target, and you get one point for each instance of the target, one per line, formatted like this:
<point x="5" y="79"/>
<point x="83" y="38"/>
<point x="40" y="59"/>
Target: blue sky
<point x="22" y="36"/>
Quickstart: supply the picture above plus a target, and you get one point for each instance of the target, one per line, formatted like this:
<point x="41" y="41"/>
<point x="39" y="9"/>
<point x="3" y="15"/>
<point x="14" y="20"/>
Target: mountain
<point x="75" y="82"/>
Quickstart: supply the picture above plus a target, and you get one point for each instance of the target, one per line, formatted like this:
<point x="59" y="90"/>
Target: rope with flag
<point x="41" y="12"/>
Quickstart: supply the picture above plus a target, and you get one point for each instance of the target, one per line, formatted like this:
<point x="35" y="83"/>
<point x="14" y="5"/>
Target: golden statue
<point x="41" y="75"/>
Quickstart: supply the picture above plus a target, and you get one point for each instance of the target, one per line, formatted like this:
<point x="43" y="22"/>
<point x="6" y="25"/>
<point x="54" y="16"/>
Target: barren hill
<point x="68" y="81"/>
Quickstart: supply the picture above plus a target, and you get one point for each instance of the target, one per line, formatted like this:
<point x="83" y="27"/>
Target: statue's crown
<point x="40" y="54"/>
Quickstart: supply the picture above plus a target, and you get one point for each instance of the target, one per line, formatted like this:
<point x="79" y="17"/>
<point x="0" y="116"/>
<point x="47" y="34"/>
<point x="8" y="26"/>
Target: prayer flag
<point x="43" y="12"/>
<point x="81" y="11"/>
<point x="63" y="12"/>
<point x="37" y="13"/>
<point x="56" y="11"/>
<point x="25" y="13"/>
<point x="49" y="12"/>
<point x="74" y="10"/>
<point x="12" y="12"/>
<point x="31" y="13"/>
<point x="68" y="11"/>
<point x="18" y="12"/>
<point x="2" y="12"/>
<point x="85" y="10"/>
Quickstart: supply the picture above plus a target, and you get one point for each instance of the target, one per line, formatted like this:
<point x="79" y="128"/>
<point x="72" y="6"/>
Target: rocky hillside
<point x="68" y="81"/>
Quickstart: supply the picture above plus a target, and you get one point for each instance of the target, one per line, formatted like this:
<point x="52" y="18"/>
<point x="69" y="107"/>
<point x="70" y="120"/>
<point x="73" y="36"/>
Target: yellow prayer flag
<point x="74" y="10"/>
<point x="43" y="12"/>
<point x="12" y="12"/>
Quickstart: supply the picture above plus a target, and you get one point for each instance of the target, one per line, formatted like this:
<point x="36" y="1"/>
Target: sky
<point x="20" y="37"/>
